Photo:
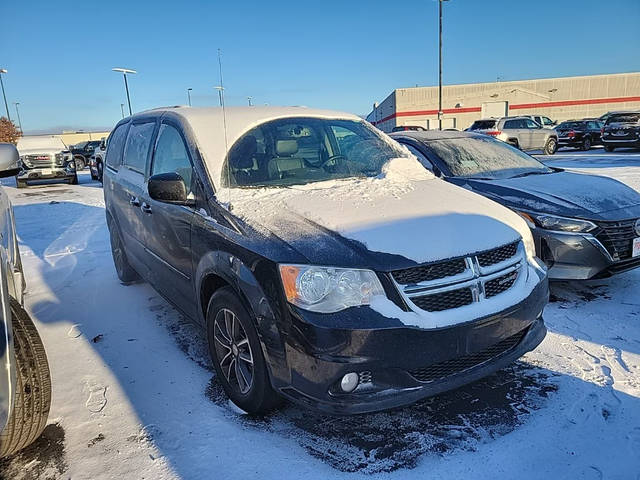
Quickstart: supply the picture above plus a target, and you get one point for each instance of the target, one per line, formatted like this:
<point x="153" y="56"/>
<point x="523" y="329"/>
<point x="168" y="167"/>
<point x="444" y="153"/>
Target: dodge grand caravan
<point x="326" y="265"/>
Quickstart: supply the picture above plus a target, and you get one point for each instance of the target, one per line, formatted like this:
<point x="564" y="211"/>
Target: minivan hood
<point x="562" y="193"/>
<point x="398" y="220"/>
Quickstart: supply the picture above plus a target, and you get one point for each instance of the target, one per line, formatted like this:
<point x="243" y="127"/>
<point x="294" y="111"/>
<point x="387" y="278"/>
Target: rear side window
<point x="136" y="149"/>
<point x="512" y="124"/>
<point x="483" y="125"/>
<point x="114" y="149"/>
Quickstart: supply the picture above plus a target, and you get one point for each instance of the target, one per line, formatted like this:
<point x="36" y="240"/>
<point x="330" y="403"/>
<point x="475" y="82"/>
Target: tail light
<point x="571" y="134"/>
<point x="493" y="133"/>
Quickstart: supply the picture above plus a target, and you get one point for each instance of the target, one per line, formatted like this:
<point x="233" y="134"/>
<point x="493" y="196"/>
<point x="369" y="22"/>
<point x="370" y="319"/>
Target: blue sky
<point x="332" y="54"/>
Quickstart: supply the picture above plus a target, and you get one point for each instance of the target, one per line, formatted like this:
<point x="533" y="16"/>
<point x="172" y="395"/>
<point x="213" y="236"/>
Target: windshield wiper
<point x="526" y="174"/>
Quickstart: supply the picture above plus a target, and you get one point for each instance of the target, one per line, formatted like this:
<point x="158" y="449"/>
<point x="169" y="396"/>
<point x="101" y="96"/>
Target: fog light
<point x="349" y="382"/>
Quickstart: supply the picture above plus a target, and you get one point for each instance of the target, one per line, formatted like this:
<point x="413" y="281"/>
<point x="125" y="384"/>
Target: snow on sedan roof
<point x="208" y="127"/>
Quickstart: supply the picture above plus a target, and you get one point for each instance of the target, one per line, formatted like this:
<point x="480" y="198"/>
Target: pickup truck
<point x="45" y="158"/>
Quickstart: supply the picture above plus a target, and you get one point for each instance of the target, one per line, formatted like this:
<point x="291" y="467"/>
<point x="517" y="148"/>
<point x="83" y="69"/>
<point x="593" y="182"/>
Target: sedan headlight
<point x="329" y="289"/>
<point x="560" y="224"/>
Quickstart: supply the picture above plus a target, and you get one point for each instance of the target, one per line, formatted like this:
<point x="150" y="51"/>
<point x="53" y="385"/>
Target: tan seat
<point x="285" y="160"/>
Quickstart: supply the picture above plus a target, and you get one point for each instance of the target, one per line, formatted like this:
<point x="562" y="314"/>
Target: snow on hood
<point x="405" y="211"/>
<point x="40" y="144"/>
<point x="208" y="126"/>
<point x="580" y="194"/>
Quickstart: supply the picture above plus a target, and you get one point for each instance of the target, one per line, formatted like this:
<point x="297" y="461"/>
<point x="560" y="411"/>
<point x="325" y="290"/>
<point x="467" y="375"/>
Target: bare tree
<point x="9" y="133"/>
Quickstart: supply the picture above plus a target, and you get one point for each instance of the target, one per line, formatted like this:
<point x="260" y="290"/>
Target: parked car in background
<point x="325" y="263"/>
<point x="621" y="130"/>
<point x="25" y="381"/>
<point x="604" y="117"/>
<point x="521" y="132"/>
<point x="406" y="128"/>
<point x="96" y="162"/>
<point x="82" y="152"/>
<point x="45" y="158"/>
<point x="582" y="134"/>
<point x="584" y="226"/>
<point x="546" y="122"/>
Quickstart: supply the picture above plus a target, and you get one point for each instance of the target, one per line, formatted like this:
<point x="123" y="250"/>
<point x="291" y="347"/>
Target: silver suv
<point x="521" y="132"/>
<point x="25" y="382"/>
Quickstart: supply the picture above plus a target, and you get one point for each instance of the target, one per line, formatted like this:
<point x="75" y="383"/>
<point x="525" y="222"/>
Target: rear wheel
<point x="80" y="163"/>
<point x="608" y="148"/>
<point x="237" y="355"/>
<point x="586" y="144"/>
<point x="99" y="168"/>
<point x="125" y="271"/>
<point x="551" y="146"/>
<point x="32" y="398"/>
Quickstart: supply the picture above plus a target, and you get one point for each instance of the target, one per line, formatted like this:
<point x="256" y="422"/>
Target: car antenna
<point x="224" y="124"/>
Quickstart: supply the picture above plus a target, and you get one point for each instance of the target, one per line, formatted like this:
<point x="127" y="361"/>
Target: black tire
<point x="586" y="144"/>
<point x="608" y="148"/>
<point x="33" y="385"/>
<point x="94" y="176"/>
<point x="21" y="183"/>
<point x="514" y="143"/>
<point x="259" y="396"/>
<point x="100" y="171"/>
<point x="80" y="163"/>
<point x="126" y="273"/>
<point x="551" y="146"/>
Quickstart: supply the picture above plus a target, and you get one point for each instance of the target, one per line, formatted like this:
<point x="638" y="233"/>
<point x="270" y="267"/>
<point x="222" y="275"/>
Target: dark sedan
<point x="584" y="226"/>
<point x="582" y="134"/>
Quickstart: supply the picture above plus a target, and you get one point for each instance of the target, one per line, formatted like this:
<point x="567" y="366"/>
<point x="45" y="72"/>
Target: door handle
<point x="146" y="208"/>
<point x="134" y="202"/>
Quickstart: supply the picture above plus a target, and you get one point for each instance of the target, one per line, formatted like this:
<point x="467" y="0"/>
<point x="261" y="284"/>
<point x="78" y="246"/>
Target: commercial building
<point x="557" y="98"/>
<point x="74" y="137"/>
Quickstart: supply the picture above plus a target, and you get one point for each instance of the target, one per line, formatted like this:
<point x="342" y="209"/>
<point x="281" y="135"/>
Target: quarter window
<point x="171" y="155"/>
<point x="136" y="150"/>
<point x="423" y="160"/>
<point x="114" y="148"/>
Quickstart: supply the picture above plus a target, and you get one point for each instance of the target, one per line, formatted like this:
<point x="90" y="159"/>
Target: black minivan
<point x="327" y="266"/>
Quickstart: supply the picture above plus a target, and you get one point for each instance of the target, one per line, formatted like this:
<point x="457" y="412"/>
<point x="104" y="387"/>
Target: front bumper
<point x="571" y="256"/>
<point x="46" y="173"/>
<point x="400" y="365"/>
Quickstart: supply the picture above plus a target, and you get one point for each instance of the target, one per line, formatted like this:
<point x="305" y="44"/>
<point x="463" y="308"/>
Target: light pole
<point x="189" y="95"/>
<point x="440" y="64"/>
<point x="18" y="114"/>
<point x="6" y="106"/>
<point x="249" y="100"/>
<point x="122" y="109"/>
<point x="220" y="89"/>
<point x="126" y="85"/>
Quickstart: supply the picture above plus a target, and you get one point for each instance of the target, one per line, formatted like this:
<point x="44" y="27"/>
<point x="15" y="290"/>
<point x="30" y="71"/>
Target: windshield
<point x="485" y="157"/>
<point x="574" y="125"/>
<point x="294" y="151"/>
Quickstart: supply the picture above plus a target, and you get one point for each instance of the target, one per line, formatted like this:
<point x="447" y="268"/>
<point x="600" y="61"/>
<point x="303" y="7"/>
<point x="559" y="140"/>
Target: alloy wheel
<point x="233" y="350"/>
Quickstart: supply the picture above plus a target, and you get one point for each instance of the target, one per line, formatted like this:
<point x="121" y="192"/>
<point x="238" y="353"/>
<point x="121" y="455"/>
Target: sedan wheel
<point x="551" y="146"/>
<point x="586" y="144"/>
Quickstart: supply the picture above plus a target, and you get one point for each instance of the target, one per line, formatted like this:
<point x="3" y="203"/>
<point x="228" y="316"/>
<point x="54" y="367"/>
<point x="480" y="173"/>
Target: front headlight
<point x="328" y="289"/>
<point x="559" y="224"/>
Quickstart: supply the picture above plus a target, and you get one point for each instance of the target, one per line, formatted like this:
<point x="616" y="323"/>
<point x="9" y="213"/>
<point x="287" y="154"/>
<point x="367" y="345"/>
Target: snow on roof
<point x="208" y="126"/>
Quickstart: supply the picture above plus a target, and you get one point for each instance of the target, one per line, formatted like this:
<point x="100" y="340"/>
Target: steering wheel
<point x="332" y="157"/>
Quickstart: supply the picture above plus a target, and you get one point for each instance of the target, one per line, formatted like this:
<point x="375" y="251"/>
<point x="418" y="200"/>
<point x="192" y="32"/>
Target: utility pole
<point x="124" y="72"/>
<point x="122" y="109"/>
<point x="440" y="64"/>
<point x="6" y="105"/>
<point x="18" y="114"/>
<point x="189" y="95"/>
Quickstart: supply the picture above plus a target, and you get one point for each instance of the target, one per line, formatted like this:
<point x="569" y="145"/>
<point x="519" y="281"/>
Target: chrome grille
<point x="38" y="160"/>
<point x="454" y="283"/>
<point x="497" y="255"/>
<point x="617" y="238"/>
<point x="460" y="364"/>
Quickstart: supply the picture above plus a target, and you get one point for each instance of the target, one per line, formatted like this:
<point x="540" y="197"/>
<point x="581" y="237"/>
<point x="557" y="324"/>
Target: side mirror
<point x="9" y="160"/>
<point x="168" y="188"/>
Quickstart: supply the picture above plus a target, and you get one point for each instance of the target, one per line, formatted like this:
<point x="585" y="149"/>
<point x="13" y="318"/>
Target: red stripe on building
<point x="563" y="103"/>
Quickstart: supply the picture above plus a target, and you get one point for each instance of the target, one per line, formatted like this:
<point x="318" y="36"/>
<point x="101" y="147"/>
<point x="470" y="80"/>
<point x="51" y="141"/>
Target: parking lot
<point x="135" y="394"/>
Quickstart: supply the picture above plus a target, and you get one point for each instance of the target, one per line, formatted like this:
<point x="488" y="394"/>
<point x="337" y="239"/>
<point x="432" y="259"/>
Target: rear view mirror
<point x="8" y="160"/>
<point x="168" y="188"/>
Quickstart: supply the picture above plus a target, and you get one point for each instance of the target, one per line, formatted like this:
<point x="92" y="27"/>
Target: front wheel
<point x="237" y="355"/>
<point x="99" y="168"/>
<point x="80" y="164"/>
<point x="586" y="144"/>
<point x="608" y="148"/>
<point x="74" y="180"/>
<point x="32" y="398"/>
<point x="551" y="146"/>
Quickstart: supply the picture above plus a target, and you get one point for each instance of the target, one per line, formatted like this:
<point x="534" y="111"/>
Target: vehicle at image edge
<point x="546" y="122"/>
<point x="324" y="269"/>
<point x="406" y="128"/>
<point x="25" y="381"/>
<point x="521" y="132"/>
<point x="584" y="226"/>
<point x="96" y="162"/>
<point x="45" y="158"/>
<point x="621" y="130"/>
<point x="605" y="116"/>
<point x="582" y="134"/>
<point x="82" y="152"/>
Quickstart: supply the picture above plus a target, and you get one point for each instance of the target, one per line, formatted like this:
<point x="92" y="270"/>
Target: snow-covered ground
<point x="135" y="396"/>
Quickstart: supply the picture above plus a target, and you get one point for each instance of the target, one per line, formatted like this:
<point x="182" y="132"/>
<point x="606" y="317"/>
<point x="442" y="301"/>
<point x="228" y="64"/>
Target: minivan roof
<point x="208" y="127"/>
